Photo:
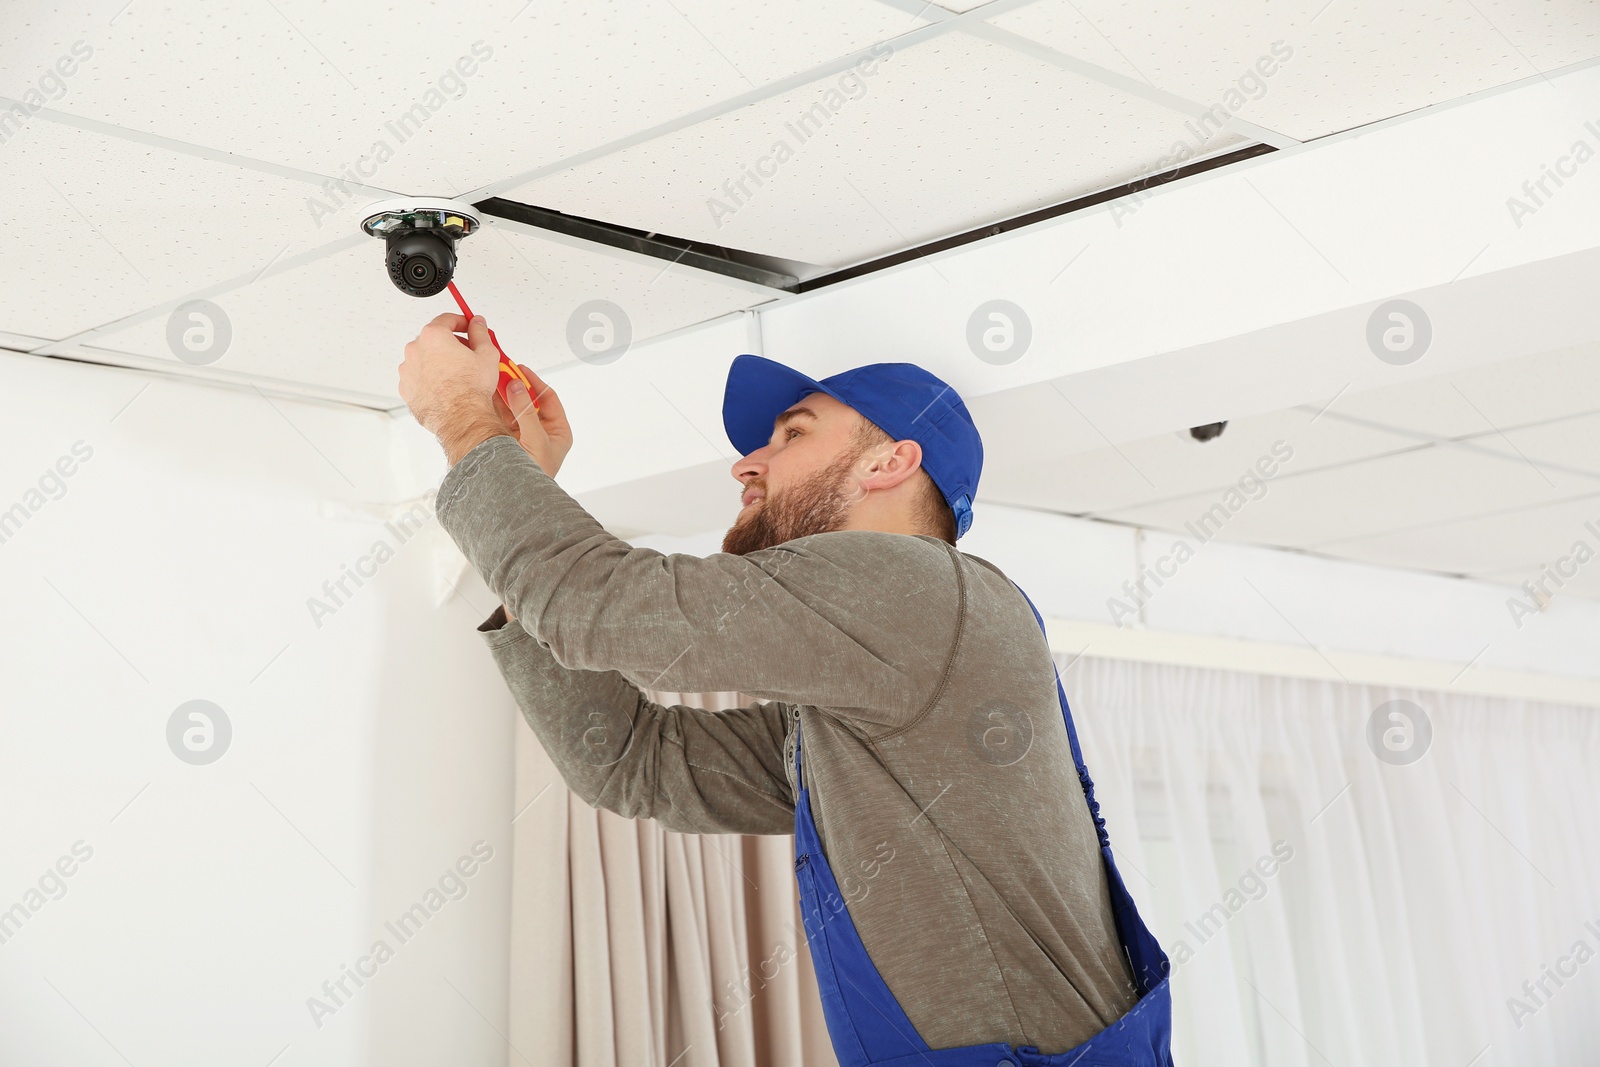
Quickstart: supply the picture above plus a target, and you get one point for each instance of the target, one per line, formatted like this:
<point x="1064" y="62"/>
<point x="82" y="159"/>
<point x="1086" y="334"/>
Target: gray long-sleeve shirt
<point x="940" y="775"/>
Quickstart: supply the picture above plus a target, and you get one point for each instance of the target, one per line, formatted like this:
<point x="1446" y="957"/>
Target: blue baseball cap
<point x="901" y="399"/>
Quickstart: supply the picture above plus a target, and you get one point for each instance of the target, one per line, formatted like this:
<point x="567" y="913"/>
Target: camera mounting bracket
<point x="451" y="218"/>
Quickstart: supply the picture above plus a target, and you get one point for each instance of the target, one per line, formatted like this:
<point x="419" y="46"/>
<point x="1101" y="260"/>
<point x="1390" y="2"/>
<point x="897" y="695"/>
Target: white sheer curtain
<point x="1403" y="908"/>
<point x="1415" y="900"/>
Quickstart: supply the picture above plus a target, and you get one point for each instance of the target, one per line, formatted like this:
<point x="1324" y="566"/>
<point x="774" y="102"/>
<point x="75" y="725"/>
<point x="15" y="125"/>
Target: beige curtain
<point x="635" y="947"/>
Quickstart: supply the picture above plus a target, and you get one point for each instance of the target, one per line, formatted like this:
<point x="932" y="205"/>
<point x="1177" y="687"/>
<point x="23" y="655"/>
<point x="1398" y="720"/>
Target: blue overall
<point x="865" y="1021"/>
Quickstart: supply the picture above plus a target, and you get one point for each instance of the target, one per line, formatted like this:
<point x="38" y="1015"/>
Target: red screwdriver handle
<point x="509" y="370"/>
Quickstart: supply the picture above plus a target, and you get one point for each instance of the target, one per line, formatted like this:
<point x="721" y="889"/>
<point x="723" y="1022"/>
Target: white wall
<point x="368" y="753"/>
<point x="1262" y="594"/>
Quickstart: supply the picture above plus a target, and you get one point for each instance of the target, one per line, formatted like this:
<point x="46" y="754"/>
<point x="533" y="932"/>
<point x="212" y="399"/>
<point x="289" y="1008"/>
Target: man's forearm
<point x="692" y="770"/>
<point x="468" y="430"/>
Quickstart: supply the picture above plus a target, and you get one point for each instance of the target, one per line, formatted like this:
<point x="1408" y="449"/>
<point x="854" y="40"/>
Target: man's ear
<point x="891" y="463"/>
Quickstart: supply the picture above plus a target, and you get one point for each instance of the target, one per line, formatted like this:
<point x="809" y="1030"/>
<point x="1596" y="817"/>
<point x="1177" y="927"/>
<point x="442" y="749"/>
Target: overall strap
<point x="798" y="783"/>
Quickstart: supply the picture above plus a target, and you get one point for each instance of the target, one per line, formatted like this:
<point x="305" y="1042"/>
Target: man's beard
<point x="819" y="504"/>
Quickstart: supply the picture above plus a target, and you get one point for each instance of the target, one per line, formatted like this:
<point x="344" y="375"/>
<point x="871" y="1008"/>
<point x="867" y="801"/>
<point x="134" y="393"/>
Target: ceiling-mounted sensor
<point x="1208" y="431"/>
<point x="419" y="236"/>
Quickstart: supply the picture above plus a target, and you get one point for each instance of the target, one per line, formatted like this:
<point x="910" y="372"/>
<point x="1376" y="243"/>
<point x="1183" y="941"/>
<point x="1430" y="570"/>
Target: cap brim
<point x="758" y="391"/>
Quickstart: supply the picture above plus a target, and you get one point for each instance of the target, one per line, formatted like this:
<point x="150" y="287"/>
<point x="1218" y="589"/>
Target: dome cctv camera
<point x="419" y="263"/>
<point x="1208" y="431"/>
<point x="419" y="237"/>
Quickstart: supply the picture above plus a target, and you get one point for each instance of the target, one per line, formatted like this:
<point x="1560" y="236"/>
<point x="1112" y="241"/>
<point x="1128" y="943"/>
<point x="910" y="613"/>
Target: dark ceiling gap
<point x="763" y="270"/>
<point x="730" y="262"/>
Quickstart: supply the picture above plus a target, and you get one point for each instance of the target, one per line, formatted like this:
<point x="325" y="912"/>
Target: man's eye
<point x="791" y="431"/>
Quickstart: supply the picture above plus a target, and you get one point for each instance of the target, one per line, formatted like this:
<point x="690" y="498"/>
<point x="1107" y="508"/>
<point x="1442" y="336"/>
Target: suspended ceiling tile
<point x="1472" y="403"/>
<point x="1568" y="443"/>
<point x="1022" y="467"/>
<point x="1066" y="22"/>
<point x="107" y="227"/>
<point x="769" y="39"/>
<point x="1516" y="538"/>
<point x="419" y="96"/>
<point x="1324" y="67"/>
<point x="940" y="137"/>
<point x="339" y="324"/>
<point x="1395" y="492"/>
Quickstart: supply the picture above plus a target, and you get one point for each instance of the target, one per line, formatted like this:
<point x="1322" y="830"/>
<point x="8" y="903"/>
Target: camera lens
<point x="420" y="271"/>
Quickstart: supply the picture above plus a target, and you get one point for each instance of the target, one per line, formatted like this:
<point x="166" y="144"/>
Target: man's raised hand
<point x="542" y="431"/>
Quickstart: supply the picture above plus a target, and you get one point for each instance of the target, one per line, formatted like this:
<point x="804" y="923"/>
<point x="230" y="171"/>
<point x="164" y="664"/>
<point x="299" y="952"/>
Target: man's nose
<point x="749" y="467"/>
